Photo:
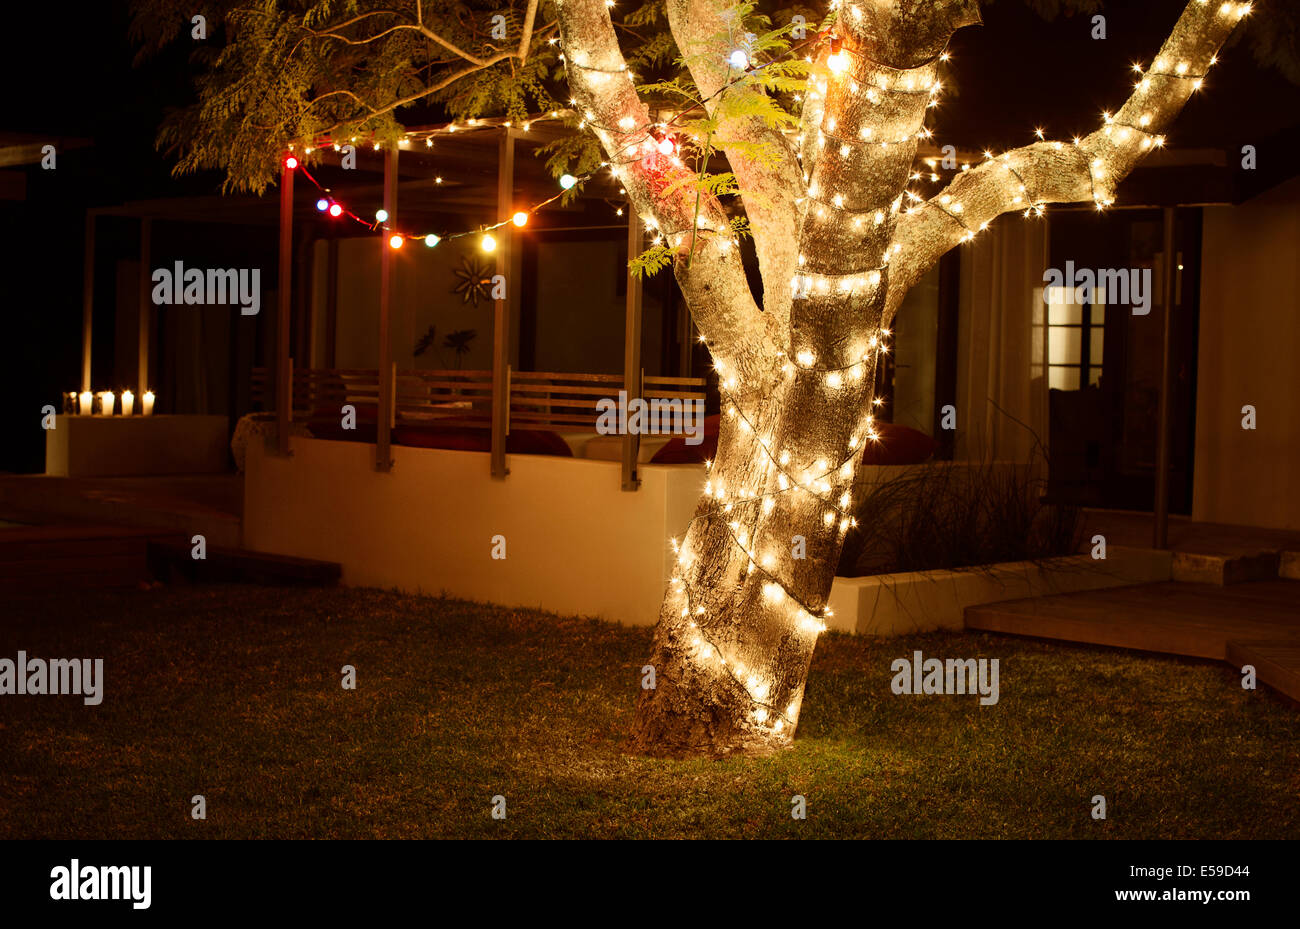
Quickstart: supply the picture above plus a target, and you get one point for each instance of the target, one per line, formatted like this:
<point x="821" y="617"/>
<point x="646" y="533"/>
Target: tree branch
<point x="774" y="181"/>
<point x="1089" y="169"/>
<point x="477" y="64"/>
<point x="662" y="191"/>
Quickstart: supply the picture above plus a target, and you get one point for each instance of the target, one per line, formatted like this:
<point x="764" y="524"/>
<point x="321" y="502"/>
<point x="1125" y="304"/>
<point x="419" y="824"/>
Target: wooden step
<point x="59" y="541"/>
<point x="33" y="559"/>
<point x="1222" y="570"/>
<point x="1276" y="661"/>
<point x="134" y="563"/>
<point x="174" y="560"/>
<point x="138" y="574"/>
<point x="1180" y="619"/>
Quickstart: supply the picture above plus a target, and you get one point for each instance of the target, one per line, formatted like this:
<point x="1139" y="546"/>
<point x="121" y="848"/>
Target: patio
<point x="1256" y="623"/>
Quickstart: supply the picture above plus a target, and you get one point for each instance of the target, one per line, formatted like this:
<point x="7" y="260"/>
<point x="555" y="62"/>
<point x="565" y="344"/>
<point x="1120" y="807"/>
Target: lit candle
<point x="128" y="402"/>
<point x="108" y="400"/>
<point x="146" y="408"/>
<point x="87" y="401"/>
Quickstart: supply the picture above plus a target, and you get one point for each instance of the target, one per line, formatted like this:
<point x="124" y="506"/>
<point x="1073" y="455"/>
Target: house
<point x="982" y="362"/>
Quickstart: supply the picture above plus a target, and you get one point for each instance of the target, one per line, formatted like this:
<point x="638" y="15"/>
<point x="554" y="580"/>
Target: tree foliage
<point x="274" y="72"/>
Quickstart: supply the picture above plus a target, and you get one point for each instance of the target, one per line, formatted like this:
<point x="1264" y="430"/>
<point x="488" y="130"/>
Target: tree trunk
<point x="741" y="616"/>
<point x="748" y="598"/>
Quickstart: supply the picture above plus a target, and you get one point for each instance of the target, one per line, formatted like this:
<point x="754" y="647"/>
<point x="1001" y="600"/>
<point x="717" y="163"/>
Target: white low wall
<point x="576" y="543"/>
<point x="923" y="601"/>
<point x="116" y="446"/>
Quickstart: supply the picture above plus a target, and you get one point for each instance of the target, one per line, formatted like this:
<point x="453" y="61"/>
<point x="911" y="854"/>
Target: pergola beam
<point x="283" y="376"/>
<point x="501" y="309"/>
<point x="1160" y="529"/>
<point x="145" y="320"/>
<point x="632" y="371"/>
<point x="387" y="260"/>
<point x="87" y="300"/>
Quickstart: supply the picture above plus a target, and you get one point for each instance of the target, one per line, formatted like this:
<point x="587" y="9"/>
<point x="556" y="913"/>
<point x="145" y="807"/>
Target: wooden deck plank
<point x="1277" y="662"/>
<point x="1196" y="620"/>
<point x="243" y="565"/>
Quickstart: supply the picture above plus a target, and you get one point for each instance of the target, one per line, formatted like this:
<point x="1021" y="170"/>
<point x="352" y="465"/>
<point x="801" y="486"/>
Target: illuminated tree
<point x="839" y="237"/>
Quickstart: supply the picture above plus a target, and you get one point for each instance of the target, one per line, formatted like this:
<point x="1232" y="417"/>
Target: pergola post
<point x="387" y="259"/>
<point x="142" y="351"/>
<point x="87" y="300"/>
<point x="633" y="381"/>
<point x="283" y="376"/>
<point x="1160" y="533"/>
<point x="501" y="310"/>
<point x="332" y="303"/>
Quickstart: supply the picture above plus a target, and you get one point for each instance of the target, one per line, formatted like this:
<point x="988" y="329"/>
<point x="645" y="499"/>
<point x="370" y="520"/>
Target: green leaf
<point x="651" y="261"/>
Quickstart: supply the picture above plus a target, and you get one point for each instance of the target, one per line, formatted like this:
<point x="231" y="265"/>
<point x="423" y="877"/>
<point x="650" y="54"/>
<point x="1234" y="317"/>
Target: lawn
<point x="234" y="692"/>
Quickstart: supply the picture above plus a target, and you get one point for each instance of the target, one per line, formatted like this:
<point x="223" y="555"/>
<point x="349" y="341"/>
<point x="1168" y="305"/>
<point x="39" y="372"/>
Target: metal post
<point x="1161" y="529"/>
<point x="501" y="311"/>
<point x="387" y="266"/>
<point x="87" y="301"/>
<point x="633" y="376"/>
<point x="142" y="351"/>
<point x="283" y="377"/>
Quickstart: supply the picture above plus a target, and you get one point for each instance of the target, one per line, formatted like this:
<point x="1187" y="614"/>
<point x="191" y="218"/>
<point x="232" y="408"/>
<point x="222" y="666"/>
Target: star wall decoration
<point x="475" y="281"/>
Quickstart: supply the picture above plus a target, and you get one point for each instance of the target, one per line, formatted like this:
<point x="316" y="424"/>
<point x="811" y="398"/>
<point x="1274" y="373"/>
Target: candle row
<point x="84" y="403"/>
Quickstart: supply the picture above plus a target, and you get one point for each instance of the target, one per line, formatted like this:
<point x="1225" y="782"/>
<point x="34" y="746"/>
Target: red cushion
<point x="677" y="451"/>
<point x="327" y="423"/>
<point x="454" y="437"/>
<point x="898" y="445"/>
<point x="537" y="442"/>
<point x="469" y="439"/>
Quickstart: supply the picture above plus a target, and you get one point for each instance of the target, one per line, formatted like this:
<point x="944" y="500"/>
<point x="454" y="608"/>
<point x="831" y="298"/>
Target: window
<point x="1074" y="339"/>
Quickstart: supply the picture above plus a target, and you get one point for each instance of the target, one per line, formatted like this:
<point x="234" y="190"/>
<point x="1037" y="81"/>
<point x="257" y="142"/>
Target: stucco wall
<point x="575" y="542"/>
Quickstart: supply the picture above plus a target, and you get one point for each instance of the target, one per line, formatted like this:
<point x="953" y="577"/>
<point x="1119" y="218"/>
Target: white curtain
<point x="1001" y="342"/>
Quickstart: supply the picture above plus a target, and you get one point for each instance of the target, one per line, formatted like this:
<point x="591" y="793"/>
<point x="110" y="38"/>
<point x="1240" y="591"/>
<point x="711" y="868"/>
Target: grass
<point x="234" y="693"/>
